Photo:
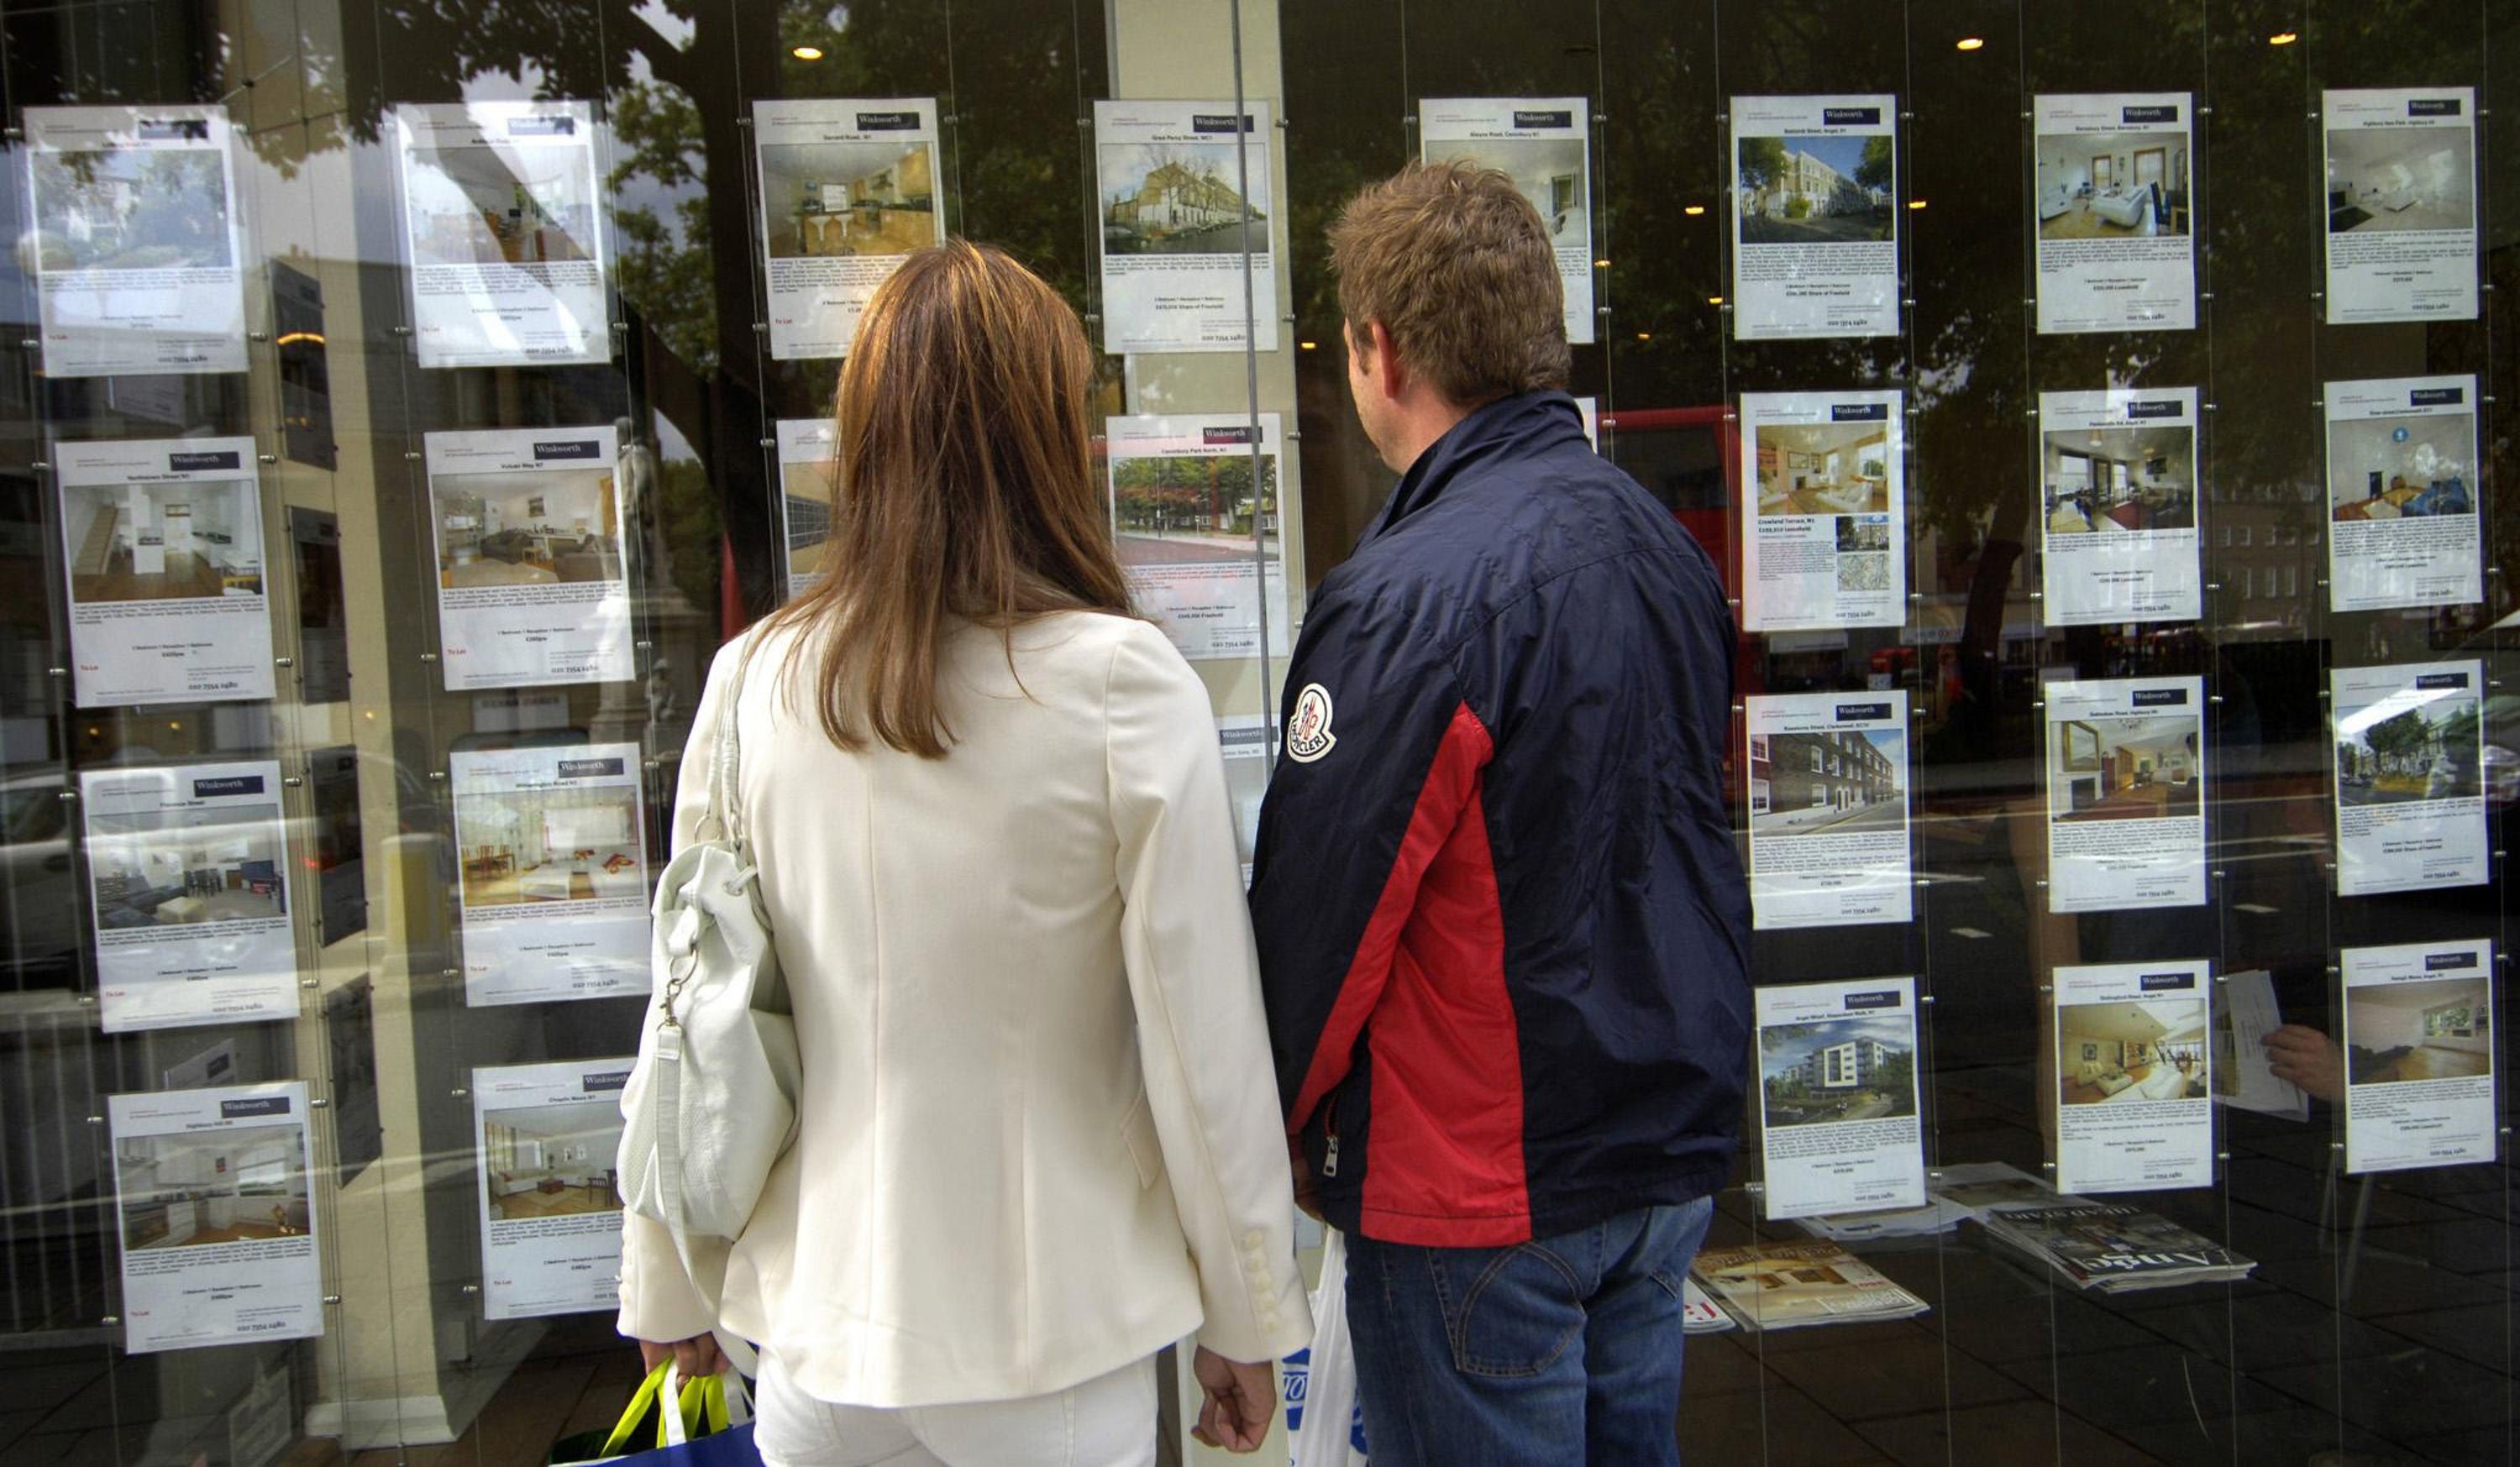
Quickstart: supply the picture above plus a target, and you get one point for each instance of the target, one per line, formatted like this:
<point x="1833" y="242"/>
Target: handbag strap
<point x="726" y="764"/>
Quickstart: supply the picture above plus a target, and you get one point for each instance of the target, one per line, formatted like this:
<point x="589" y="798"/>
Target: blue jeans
<point x="1557" y="1351"/>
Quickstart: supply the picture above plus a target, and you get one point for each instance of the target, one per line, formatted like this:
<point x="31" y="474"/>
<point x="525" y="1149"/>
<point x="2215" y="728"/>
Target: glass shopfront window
<point x="2092" y="409"/>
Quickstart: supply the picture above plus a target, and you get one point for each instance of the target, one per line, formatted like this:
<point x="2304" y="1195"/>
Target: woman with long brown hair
<point x="1039" y="1134"/>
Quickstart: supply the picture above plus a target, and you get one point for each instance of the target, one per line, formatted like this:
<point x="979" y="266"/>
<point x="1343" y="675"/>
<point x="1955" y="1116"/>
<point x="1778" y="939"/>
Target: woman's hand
<point x="2308" y="1058"/>
<point x="1242" y="1397"/>
<point x="694" y="1358"/>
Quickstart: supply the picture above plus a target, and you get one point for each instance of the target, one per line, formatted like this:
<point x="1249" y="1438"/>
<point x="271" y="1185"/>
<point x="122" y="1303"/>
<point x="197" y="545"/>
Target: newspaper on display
<point x="218" y="1219"/>
<point x="1699" y="1315"/>
<point x="2410" y="777"/>
<point x="1544" y="144"/>
<point x="1187" y="494"/>
<point x="849" y="187"/>
<point x="1826" y="475"/>
<point x="188" y="873"/>
<point x="2243" y="1077"/>
<point x="163" y="540"/>
<point x="502" y="218"/>
<point x="1815" y="217"/>
<point x="551" y="1207"/>
<point x="136" y="245"/>
<point x="2118" y="487"/>
<point x="1952" y="1195"/>
<point x="2132" y="1068"/>
<point x="1829" y="810"/>
<point x="1788" y="1285"/>
<point x="552" y="844"/>
<point x="2126" y="793"/>
<point x="2113" y="205"/>
<point x="531" y="586"/>
<point x="2402" y="478"/>
<point x="1838" y="1129"/>
<point x="2401" y="205"/>
<point x="2419" y="1040"/>
<point x="2110" y="1248"/>
<point x="1181" y="204"/>
<point x="806" y="464"/>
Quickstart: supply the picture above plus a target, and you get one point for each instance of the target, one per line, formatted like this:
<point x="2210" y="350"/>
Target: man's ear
<point x="1384" y="367"/>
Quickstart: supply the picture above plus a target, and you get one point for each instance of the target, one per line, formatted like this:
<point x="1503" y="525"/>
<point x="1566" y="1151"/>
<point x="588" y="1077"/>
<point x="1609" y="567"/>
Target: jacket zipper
<point x="1330" y="1142"/>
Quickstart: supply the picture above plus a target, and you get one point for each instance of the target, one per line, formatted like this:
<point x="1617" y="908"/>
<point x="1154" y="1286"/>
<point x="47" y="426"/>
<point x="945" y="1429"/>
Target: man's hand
<point x="1308" y="1192"/>
<point x="694" y="1358"/>
<point x="2308" y="1058"/>
<point x="1240" y="1400"/>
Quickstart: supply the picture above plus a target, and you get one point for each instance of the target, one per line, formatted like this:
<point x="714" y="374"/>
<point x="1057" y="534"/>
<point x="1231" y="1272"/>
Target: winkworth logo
<point x="1850" y="116"/>
<point x="232" y="784"/>
<point x="568" y="448"/>
<point x="2155" y="983"/>
<point x="260" y="1106"/>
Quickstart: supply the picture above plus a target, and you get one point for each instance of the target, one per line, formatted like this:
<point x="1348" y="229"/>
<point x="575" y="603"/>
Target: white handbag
<point x="711" y="1102"/>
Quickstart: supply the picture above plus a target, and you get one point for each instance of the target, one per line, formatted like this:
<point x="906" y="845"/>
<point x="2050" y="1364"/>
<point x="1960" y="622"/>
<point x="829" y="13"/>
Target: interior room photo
<point x="1547" y="171"/>
<point x="2401" y="467"/>
<point x="1823" y="468"/>
<point x="2109" y="480"/>
<point x="544" y="1161"/>
<point x="176" y="874"/>
<point x="2380" y="180"/>
<point x="848" y="199"/>
<point x="553" y="526"/>
<point x="486" y="206"/>
<point x="2122" y="1052"/>
<point x="224" y="1186"/>
<point x="2123" y="769"/>
<point x="549" y="845"/>
<point x="162" y="542"/>
<point x="2113" y="185"/>
<point x="2442" y="1029"/>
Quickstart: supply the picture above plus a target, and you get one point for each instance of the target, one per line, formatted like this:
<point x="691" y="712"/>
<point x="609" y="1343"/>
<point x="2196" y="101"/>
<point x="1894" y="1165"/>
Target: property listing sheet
<point x="2410" y="777"/>
<point x="551" y="1207"/>
<point x="2401" y="205"/>
<point x="1544" y="144"/>
<point x="2126" y="793"/>
<point x="552" y="844"/>
<point x="2134" y="1109"/>
<point x="2114" y="206"/>
<point x="189" y="876"/>
<point x="1829" y="810"/>
<point x="136" y="244"/>
<point x="805" y="468"/>
<point x="848" y="187"/>
<point x="1246" y="740"/>
<point x="1181" y="203"/>
<point x="1187" y="494"/>
<point x="1815" y="217"/>
<point x="503" y="220"/>
<point x="1826" y="476"/>
<point x="530" y="581"/>
<point x="1837" y="1098"/>
<point x="210" y="1188"/>
<point x="163" y="541"/>
<point x="2402" y="478"/>
<point x="2118" y="484"/>
<point x="2419" y="1056"/>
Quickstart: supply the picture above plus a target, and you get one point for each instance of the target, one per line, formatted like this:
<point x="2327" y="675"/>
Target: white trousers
<point x="1109" y="1421"/>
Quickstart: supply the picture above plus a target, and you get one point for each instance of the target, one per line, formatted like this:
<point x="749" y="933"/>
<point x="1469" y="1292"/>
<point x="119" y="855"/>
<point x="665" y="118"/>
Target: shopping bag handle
<point x="641" y="1400"/>
<point x="704" y="1407"/>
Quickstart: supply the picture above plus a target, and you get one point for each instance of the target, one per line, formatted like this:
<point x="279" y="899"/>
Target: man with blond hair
<point x="1503" y="926"/>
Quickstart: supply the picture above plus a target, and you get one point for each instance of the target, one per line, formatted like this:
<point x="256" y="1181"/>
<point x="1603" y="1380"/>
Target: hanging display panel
<point x="2401" y="205"/>
<point x="1192" y="508"/>
<point x="2126" y="793"/>
<point x="2410" y="777"/>
<point x="503" y="222"/>
<point x="2113" y="202"/>
<point x="137" y="249"/>
<point x="1829" y="810"/>
<point x="2118" y="474"/>
<point x="1815" y="217"/>
<point x="531" y="586"/>
<point x="1544" y="144"/>
<point x="2418" y="1045"/>
<point x="847" y="189"/>
<point x="217" y="1217"/>
<point x="805" y="469"/>
<point x="1837" y="1098"/>
<point x="163" y="540"/>
<point x="1180" y="204"/>
<point x="2403" y="474"/>
<point x="1824" y="475"/>
<point x="552" y="841"/>
<point x="2132" y="1074"/>
<point x="550" y="1202"/>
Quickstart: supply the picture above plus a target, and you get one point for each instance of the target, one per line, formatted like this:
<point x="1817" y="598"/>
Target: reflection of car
<point x="41" y="890"/>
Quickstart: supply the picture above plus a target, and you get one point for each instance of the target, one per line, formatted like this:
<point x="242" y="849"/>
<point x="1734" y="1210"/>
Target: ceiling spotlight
<point x="1303" y="346"/>
<point x="2282" y="38"/>
<point x="1915" y="204"/>
<point x="807" y="53"/>
<point x="1645" y="335"/>
<point x="1971" y="43"/>
<point x="1694" y="210"/>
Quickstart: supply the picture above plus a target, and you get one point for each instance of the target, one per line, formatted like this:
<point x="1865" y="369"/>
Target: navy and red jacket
<point x="1503" y="925"/>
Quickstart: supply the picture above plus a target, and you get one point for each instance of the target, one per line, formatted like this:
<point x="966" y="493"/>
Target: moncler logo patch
<point x="1308" y="733"/>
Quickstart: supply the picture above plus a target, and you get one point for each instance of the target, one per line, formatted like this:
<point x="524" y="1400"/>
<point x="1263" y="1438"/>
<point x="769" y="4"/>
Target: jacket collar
<point x="1520" y="425"/>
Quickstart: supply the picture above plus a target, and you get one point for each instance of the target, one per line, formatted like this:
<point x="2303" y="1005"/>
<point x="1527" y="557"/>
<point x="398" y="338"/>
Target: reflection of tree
<point x="1874" y="171"/>
<point x="1209" y="495"/>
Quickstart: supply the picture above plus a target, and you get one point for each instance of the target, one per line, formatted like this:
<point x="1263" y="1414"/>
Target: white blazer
<point x="1040" y="1135"/>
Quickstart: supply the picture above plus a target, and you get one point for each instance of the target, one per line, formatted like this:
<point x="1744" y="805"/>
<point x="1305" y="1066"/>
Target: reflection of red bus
<point x="1689" y="459"/>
